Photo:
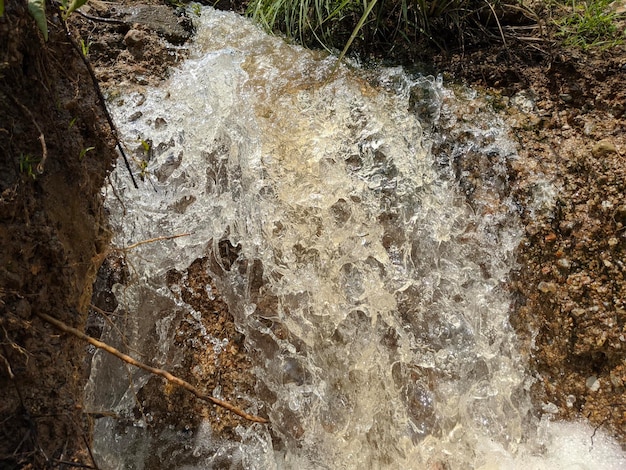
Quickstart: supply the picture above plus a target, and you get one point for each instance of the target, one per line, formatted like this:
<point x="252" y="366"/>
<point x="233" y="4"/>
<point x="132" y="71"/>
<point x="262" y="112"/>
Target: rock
<point x="550" y="408"/>
<point x="158" y="18"/>
<point x="603" y="148"/>
<point x="566" y="97"/>
<point x="135" y="39"/>
<point x="547" y="287"/>
<point x="593" y="383"/>
<point x="564" y="263"/>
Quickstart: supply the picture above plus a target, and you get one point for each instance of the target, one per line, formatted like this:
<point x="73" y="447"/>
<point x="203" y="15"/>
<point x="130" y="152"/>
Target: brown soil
<point x="571" y="283"/>
<point x="569" y="288"/>
<point x="53" y="234"/>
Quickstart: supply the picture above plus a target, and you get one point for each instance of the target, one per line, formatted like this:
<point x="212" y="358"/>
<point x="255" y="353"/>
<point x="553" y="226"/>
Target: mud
<point x="53" y="235"/>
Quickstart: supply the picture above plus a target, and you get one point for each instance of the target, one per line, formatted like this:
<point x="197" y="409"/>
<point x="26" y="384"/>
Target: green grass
<point x="386" y="25"/>
<point x="28" y="164"/>
<point x="329" y="23"/>
<point x="590" y="24"/>
<point x="305" y="20"/>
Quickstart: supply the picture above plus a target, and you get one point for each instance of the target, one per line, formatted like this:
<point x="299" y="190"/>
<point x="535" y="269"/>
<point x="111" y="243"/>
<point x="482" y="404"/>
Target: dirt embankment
<point x="571" y="284"/>
<point x="55" y="151"/>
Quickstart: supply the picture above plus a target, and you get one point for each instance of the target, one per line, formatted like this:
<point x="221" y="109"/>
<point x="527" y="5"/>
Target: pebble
<point x="550" y="408"/>
<point x="135" y="38"/>
<point x="603" y="148"/>
<point x="547" y="287"/>
<point x="136" y="115"/>
<point x="564" y="263"/>
<point x="593" y="383"/>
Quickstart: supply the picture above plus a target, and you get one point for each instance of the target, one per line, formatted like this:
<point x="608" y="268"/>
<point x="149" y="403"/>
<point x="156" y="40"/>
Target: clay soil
<point x="566" y="109"/>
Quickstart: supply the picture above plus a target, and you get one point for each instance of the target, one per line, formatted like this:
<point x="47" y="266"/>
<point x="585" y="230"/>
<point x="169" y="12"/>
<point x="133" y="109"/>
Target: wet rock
<point x="547" y="287"/>
<point x="564" y="263"/>
<point x="593" y="383"/>
<point x="566" y="97"/>
<point x="133" y="117"/>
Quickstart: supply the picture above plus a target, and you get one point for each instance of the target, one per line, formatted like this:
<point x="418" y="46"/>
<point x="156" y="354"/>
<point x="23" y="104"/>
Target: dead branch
<point x="160" y="372"/>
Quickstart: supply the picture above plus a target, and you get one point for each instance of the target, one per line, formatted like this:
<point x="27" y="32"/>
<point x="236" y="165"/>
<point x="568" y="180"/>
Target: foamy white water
<point x="395" y="349"/>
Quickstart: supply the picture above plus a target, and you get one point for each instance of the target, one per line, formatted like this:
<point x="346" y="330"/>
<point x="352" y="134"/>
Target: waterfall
<point x="370" y="272"/>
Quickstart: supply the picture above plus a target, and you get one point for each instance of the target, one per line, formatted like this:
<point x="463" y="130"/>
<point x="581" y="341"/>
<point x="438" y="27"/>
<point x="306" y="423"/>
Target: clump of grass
<point x="386" y="23"/>
<point x="28" y="164"/>
<point x="591" y="23"/>
<point x="305" y="20"/>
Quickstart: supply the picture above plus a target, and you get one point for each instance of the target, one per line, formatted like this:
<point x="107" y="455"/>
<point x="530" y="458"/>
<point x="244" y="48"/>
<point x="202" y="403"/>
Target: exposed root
<point x="5" y="357"/>
<point x="163" y="373"/>
<point x="42" y="139"/>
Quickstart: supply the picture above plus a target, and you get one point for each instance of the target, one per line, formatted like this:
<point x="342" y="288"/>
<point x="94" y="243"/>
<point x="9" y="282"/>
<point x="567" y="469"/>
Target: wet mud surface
<point x="567" y="114"/>
<point x="55" y="151"/>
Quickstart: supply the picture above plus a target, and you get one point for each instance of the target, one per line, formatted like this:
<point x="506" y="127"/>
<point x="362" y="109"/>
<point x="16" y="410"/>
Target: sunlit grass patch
<point x="329" y="23"/>
<point x="591" y="23"/>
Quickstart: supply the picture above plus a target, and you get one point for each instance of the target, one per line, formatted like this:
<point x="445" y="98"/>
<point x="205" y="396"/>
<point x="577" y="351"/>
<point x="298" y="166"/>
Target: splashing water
<point x="372" y="291"/>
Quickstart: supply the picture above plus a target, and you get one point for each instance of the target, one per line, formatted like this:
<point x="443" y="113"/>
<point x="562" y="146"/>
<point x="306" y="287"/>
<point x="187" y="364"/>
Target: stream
<point x="371" y="272"/>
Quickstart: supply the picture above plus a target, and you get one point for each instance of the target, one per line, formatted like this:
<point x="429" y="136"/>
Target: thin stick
<point x="152" y="240"/>
<point x="96" y="87"/>
<point x="163" y="373"/>
<point x="100" y="19"/>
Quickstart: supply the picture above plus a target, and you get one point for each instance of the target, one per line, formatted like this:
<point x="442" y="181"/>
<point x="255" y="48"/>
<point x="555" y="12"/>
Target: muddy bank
<point x="56" y="149"/>
<point x="567" y="113"/>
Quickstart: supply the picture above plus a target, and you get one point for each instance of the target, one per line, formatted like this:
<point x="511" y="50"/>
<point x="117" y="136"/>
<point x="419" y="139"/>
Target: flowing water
<point x="371" y="283"/>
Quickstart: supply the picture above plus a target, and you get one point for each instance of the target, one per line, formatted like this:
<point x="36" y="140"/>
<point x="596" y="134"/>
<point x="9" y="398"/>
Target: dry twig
<point x="152" y="240"/>
<point x="163" y="373"/>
